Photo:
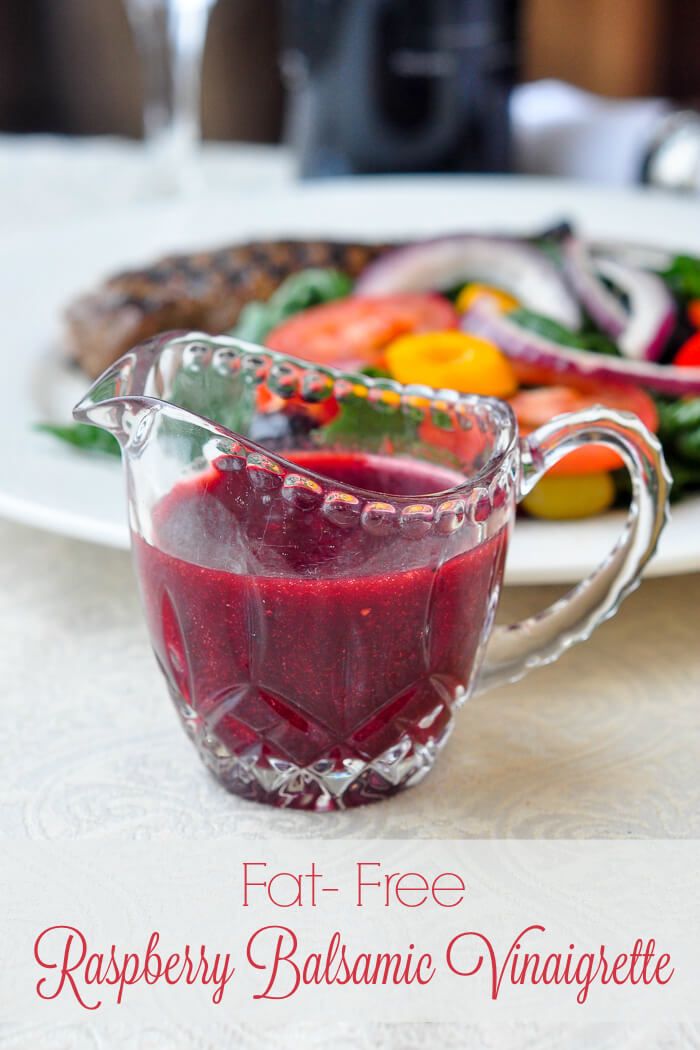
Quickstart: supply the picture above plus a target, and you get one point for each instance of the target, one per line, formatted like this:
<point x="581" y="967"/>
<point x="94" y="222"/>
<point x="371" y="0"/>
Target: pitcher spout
<point x="117" y="396"/>
<point x="103" y="407"/>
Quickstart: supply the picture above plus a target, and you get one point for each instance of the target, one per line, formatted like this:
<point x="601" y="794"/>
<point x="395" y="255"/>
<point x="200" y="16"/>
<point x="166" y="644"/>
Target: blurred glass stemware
<point x="170" y="36"/>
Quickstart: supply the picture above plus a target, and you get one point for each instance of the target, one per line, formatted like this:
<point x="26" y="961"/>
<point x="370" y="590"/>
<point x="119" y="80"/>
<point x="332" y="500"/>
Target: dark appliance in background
<point x="399" y="85"/>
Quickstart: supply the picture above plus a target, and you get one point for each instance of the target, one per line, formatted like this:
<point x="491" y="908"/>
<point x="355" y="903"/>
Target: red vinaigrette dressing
<point x="296" y="639"/>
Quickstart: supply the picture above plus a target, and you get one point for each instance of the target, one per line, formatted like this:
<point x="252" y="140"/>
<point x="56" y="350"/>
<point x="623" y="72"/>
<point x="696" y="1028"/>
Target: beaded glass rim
<point x="288" y="376"/>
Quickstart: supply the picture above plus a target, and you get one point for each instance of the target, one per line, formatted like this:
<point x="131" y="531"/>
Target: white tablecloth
<point x="604" y="744"/>
<point x="44" y="178"/>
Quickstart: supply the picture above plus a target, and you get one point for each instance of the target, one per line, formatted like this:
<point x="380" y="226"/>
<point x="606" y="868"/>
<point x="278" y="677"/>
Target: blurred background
<point x="437" y="73"/>
<point x="72" y="67"/>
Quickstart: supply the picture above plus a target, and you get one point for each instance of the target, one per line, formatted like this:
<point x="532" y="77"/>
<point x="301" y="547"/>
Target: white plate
<point x="42" y="483"/>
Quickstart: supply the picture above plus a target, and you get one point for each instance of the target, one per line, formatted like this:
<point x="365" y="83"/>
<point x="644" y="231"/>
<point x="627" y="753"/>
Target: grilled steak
<point x="203" y="290"/>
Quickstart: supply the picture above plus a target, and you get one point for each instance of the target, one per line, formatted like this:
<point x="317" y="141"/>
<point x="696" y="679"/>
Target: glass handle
<point x="514" y="650"/>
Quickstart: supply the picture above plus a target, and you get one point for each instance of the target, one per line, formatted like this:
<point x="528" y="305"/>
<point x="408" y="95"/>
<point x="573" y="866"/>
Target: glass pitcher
<point x="320" y="556"/>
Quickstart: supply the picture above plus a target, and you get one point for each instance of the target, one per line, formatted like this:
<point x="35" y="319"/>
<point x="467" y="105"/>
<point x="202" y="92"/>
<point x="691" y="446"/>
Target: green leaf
<point x="82" y="436"/>
<point x="298" y="292"/>
<point x="686" y="478"/>
<point x="253" y="323"/>
<point x="676" y="417"/>
<point x="545" y="326"/>
<point x="688" y="446"/>
<point x="683" y="276"/>
<point x="376" y="373"/>
<point x="358" y="419"/>
<point x="679" y="433"/>
<point x="361" y="422"/>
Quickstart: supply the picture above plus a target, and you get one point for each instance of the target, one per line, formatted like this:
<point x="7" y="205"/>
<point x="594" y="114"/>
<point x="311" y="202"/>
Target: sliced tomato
<point x="467" y="446"/>
<point x="689" y="354"/>
<point x="352" y="333"/>
<point x="321" y="413"/>
<point x="535" y="407"/>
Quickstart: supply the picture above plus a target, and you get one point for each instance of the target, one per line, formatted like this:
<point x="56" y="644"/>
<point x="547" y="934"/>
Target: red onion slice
<point x="446" y="262"/>
<point x="641" y="256"/>
<point x="643" y="328"/>
<point x="519" y="343"/>
<point x="599" y="302"/>
<point x="651" y="315"/>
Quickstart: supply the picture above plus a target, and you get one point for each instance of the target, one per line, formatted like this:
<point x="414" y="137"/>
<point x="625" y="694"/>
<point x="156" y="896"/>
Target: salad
<point x="551" y="324"/>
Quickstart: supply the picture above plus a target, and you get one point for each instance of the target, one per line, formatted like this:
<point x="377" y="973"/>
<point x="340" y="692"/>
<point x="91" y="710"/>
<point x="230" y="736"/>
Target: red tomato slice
<point x="689" y="354"/>
<point x="535" y="407"/>
<point x="321" y="413"/>
<point x="352" y="333"/>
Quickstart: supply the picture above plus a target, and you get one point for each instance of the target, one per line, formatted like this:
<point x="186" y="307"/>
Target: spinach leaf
<point x="82" y="436"/>
<point x="683" y="276"/>
<point x="376" y="373"/>
<point x="686" y="478"/>
<point x="545" y="326"/>
<point x="298" y="292"/>
<point x="676" y="417"/>
<point x="357" y="418"/>
<point x="679" y="433"/>
<point x="360" y="421"/>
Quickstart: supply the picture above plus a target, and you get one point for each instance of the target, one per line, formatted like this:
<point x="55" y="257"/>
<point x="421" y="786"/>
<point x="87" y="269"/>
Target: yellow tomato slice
<point x="577" y="496"/>
<point x="451" y="359"/>
<point x="473" y="291"/>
